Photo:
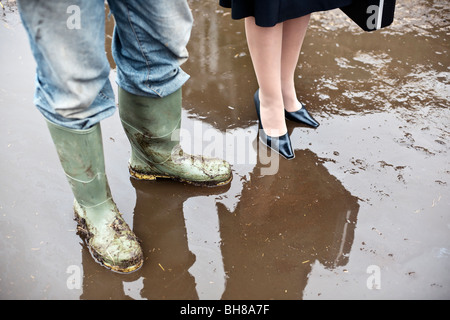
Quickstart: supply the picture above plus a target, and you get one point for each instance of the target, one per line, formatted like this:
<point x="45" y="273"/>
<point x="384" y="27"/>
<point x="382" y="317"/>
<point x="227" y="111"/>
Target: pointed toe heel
<point x="302" y="116"/>
<point x="281" y="144"/>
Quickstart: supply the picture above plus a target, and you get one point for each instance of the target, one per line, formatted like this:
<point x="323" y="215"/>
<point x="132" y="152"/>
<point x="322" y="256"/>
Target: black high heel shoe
<point x="281" y="144"/>
<point x="301" y="116"/>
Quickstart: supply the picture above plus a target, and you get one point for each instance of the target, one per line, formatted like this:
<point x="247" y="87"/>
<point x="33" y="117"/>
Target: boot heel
<point x="141" y="176"/>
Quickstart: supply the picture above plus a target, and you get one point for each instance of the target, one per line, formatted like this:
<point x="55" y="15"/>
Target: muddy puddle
<point x="362" y="212"/>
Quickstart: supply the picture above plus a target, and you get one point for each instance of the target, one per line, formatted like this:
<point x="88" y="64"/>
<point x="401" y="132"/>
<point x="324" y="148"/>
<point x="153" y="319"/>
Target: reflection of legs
<point x="293" y="34"/>
<point x="158" y="219"/>
<point x="265" y="49"/>
<point x="73" y="93"/>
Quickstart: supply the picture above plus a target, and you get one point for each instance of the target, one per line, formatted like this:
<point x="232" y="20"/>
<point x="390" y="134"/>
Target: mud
<point x="362" y="212"/>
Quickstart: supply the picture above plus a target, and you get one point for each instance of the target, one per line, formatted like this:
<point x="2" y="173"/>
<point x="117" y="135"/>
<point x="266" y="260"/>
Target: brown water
<point x="362" y="212"/>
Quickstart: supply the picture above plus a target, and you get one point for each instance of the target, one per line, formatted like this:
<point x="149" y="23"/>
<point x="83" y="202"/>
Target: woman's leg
<point x="265" y="50"/>
<point x="294" y="31"/>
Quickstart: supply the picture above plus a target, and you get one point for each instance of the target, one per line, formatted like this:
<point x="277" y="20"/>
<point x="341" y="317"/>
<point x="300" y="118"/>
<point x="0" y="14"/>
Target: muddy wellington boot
<point x="150" y="125"/>
<point x="107" y="235"/>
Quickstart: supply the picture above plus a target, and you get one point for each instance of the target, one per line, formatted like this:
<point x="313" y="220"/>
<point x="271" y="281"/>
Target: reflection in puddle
<point x="379" y="159"/>
<point x="133" y="289"/>
<point x="282" y="224"/>
<point x="260" y="237"/>
<point x="254" y="239"/>
<point x="204" y="241"/>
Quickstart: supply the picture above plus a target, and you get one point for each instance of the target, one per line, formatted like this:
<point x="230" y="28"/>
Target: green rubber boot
<point x="109" y="238"/>
<point x="150" y="124"/>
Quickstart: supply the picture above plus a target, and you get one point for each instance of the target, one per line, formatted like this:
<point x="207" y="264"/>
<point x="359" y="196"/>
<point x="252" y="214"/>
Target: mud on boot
<point x="110" y="240"/>
<point x="152" y="127"/>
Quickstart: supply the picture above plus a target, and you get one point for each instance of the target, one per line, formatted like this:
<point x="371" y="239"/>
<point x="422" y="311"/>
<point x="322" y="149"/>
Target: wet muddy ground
<point x="362" y="212"/>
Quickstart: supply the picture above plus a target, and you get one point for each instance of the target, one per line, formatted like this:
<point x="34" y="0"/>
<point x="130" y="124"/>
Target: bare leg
<point x="294" y="31"/>
<point x="265" y="50"/>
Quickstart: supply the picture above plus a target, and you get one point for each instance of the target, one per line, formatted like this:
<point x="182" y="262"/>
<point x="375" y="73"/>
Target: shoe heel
<point x="281" y="145"/>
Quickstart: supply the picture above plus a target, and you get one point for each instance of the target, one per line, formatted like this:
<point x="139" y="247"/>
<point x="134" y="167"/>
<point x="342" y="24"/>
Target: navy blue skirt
<point x="268" y="13"/>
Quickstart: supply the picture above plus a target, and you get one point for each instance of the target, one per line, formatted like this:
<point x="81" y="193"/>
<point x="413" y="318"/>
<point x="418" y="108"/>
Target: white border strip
<point x="380" y="14"/>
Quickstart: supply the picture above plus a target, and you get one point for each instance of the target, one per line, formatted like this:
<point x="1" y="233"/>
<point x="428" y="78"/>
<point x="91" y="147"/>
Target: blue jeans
<point x="67" y="41"/>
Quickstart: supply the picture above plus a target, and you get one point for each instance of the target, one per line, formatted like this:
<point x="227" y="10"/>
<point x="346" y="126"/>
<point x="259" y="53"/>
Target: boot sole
<point x="86" y="235"/>
<point x="150" y="177"/>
